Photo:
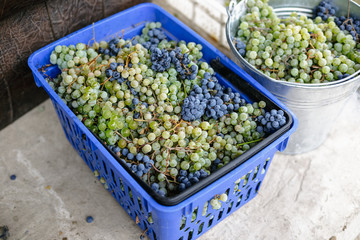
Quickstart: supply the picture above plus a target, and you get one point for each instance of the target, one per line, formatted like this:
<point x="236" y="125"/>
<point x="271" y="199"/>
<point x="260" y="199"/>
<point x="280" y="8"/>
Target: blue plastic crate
<point x="168" y="222"/>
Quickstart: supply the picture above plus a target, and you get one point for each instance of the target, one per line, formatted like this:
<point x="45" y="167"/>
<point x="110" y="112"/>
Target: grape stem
<point x="103" y="84"/>
<point x="176" y="126"/>
<point x="167" y="160"/>
<point x="311" y="44"/>
<point x="129" y="56"/>
<point x="71" y="83"/>
<point x="123" y="31"/>
<point x="92" y="61"/>
<point x="122" y="136"/>
<point x="184" y="88"/>
<point x="257" y="140"/>
<point x="155" y="168"/>
<point x="212" y="140"/>
<point x="179" y="149"/>
<point x="165" y="173"/>
<point x="217" y="126"/>
<point x="93" y="38"/>
<point x="349" y="20"/>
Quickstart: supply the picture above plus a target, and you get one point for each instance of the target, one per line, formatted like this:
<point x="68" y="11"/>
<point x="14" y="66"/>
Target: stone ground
<point x="315" y="195"/>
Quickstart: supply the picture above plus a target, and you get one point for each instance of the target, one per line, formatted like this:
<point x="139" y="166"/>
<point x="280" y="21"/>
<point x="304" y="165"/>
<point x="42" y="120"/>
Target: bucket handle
<point x="231" y="7"/>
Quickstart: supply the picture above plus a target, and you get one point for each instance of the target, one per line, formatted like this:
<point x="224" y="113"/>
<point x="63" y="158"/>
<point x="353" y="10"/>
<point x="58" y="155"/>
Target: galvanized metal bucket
<point x="316" y="105"/>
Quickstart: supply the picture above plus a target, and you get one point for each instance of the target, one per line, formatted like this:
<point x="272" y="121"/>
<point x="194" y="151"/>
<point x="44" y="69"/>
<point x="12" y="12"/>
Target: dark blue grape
<point x="155" y="186"/>
<point x="271" y="121"/>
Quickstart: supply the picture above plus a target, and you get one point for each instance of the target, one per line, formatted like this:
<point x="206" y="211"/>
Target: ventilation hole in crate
<point x="239" y="201"/>
<point x="200" y="228"/>
<point x="248" y="194"/>
<point x="238" y="192"/>
<point x="137" y="218"/>
<point x="229" y="209"/>
<point x="113" y="176"/>
<point x="181" y="238"/>
<point x="83" y="137"/>
<point x="130" y="195"/>
<point x="190" y="234"/>
<point x="105" y="167"/>
<point x="187" y="229"/>
<point x="140" y="205"/>
<point x="205" y="208"/>
<point x="183" y="221"/>
<point x="150" y="219"/>
<point x="220" y="214"/>
<point x="194" y="215"/>
<point x="246" y="179"/>
<point x="237" y="184"/>
<point x="210" y="221"/>
<point x="256" y="172"/>
<point x="208" y="215"/>
<point x="121" y="186"/>
<point x="154" y="235"/>
<point x="198" y="221"/>
<point x="265" y="166"/>
<point x="258" y="186"/>
<point x="227" y="191"/>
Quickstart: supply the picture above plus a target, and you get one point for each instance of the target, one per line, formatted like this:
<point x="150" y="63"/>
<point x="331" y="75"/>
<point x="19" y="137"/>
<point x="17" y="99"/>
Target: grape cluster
<point x="158" y="107"/>
<point x="211" y="99"/>
<point x="325" y="9"/>
<point x="223" y="102"/>
<point x="193" y="107"/>
<point x="187" y="179"/>
<point x="160" y="59"/>
<point x="351" y="25"/>
<point x="240" y="47"/>
<point x="154" y="36"/>
<point x="181" y="61"/>
<point x="299" y="49"/>
<point x="139" y="163"/>
<point x="113" y="74"/>
<point x="271" y="122"/>
<point x="112" y="49"/>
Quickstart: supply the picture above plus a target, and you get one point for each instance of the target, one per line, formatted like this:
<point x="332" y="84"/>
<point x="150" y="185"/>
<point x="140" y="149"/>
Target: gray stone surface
<point x="309" y="196"/>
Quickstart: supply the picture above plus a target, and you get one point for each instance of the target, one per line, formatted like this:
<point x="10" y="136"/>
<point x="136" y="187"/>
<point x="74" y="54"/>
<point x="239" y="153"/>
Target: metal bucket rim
<point x="353" y="77"/>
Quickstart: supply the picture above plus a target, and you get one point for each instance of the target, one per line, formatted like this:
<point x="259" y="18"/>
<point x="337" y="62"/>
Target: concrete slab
<point x="309" y="196"/>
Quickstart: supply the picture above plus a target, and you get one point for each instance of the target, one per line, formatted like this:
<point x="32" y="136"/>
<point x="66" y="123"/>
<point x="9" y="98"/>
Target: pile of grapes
<point x="159" y="107"/>
<point x="299" y="49"/>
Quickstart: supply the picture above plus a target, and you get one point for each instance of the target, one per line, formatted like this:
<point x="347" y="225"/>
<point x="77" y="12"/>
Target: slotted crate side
<point x="241" y="185"/>
<point x="240" y="188"/>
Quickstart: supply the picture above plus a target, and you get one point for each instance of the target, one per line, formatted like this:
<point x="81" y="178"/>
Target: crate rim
<point x="154" y="204"/>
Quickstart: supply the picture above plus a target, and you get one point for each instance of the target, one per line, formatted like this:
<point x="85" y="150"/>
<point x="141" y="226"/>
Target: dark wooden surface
<point x="28" y="25"/>
<point x="9" y="7"/>
<point x="62" y="18"/>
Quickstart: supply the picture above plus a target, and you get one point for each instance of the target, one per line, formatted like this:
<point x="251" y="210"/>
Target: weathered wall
<point x="27" y="25"/>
